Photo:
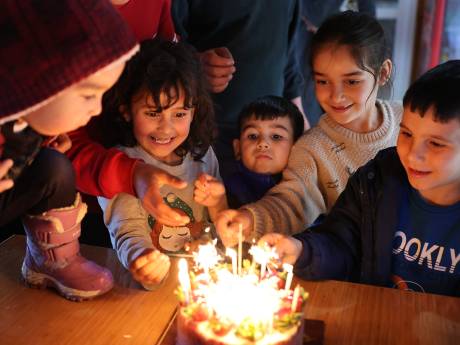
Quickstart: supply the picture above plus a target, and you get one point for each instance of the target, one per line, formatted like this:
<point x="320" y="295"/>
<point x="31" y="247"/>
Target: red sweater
<point x="106" y="172"/>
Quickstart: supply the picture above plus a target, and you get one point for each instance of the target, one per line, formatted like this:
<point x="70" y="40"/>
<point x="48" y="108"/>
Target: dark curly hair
<point x="168" y="68"/>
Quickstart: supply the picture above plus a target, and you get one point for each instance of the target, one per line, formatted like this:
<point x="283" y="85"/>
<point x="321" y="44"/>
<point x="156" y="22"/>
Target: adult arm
<point x="293" y="79"/>
<point x="218" y="63"/>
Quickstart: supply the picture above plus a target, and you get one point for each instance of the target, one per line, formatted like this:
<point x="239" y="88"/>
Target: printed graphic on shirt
<point x="173" y="239"/>
<point x="424" y="267"/>
<point x="426" y="246"/>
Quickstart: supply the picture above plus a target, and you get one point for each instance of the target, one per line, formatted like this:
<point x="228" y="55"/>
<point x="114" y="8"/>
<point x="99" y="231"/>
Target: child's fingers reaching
<point x="147" y="182"/>
<point x="4" y="167"/>
<point x="150" y="267"/>
<point x="200" y="195"/>
<point x="270" y="239"/>
<point x="170" y="216"/>
<point x="157" y="275"/>
<point x="154" y="204"/>
<point x="228" y="227"/>
<point x="216" y="188"/>
<point x="288" y="248"/>
<point x="6" y="184"/>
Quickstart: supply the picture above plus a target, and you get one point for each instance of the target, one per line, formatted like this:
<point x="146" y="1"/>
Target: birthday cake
<point x="219" y="306"/>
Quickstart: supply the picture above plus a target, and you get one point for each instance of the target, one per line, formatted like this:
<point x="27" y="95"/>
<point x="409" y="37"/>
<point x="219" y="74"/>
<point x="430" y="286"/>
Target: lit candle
<point x="263" y="267"/>
<point x="253" y="265"/>
<point x="184" y="279"/>
<point x="206" y="257"/>
<point x="288" y="269"/>
<point x="240" y="249"/>
<point x="232" y="254"/>
<point x="295" y="298"/>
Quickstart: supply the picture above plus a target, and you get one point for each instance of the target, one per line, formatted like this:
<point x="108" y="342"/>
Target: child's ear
<point x="385" y="72"/>
<point x="236" y="149"/>
<point x="124" y="112"/>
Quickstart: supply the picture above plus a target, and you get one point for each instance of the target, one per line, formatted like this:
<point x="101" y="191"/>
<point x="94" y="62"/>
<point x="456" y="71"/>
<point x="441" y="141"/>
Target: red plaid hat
<point x="47" y="46"/>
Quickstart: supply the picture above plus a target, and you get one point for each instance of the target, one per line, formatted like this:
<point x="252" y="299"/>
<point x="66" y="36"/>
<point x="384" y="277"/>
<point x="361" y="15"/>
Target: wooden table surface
<point x="352" y="313"/>
<point x="126" y="315"/>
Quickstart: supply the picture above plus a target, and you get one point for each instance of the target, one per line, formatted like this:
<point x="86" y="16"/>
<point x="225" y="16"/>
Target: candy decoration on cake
<point x="220" y="304"/>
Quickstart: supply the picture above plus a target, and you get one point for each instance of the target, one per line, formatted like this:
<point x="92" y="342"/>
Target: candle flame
<point x="262" y="255"/>
<point x="207" y="257"/>
<point x="236" y="298"/>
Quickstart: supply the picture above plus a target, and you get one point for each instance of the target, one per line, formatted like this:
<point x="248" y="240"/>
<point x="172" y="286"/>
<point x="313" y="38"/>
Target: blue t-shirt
<point x="426" y="247"/>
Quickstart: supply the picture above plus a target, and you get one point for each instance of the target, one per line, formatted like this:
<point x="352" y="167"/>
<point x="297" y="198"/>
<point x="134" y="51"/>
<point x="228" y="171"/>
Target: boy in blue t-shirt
<point x="397" y="223"/>
<point x="268" y="127"/>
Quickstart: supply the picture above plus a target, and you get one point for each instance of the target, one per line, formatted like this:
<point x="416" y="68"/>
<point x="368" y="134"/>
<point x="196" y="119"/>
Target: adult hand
<point x="4" y="167"/>
<point x="288" y="248"/>
<point x="151" y="267"/>
<point x="228" y="223"/>
<point x="219" y="66"/>
<point x="147" y="183"/>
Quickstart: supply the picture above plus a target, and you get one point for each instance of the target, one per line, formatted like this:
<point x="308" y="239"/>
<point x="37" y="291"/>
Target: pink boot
<point x="53" y="258"/>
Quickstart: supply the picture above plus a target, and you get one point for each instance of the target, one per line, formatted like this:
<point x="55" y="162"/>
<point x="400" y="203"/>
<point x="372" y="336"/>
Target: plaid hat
<point x="47" y="46"/>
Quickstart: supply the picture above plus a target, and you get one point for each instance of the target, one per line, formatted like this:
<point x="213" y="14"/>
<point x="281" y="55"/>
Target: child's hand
<point x="61" y="143"/>
<point x="150" y="267"/>
<point x="208" y="191"/>
<point x="228" y="225"/>
<point x="4" y="167"/>
<point x="288" y="248"/>
<point x="147" y="182"/>
<point x="218" y="66"/>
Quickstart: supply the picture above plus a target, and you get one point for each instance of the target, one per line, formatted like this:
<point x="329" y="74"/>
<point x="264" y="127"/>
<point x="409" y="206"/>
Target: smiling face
<point x="264" y="145"/>
<point x="75" y="106"/>
<point x="160" y="131"/>
<point x="174" y="239"/>
<point x="345" y="91"/>
<point x="430" y="153"/>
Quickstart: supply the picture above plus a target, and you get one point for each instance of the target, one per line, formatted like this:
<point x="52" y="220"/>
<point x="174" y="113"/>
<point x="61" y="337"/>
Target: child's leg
<point x="46" y="193"/>
<point x="49" y="182"/>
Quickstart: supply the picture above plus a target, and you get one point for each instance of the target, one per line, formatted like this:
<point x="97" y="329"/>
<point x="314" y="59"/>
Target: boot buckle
<point x="62" y="252"/>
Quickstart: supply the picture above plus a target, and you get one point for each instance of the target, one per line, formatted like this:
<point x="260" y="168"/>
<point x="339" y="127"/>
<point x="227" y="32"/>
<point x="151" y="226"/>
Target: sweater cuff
<point x="258" y="225"/>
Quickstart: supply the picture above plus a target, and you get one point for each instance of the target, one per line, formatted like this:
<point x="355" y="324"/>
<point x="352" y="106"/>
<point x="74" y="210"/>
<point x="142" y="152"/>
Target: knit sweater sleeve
<point x="294" y="203"/>
<point x="127" y="222"/>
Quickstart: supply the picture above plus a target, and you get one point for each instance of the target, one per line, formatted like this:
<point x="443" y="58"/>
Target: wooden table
<point x="352" y="313"/>
<point x="126" y="315"/>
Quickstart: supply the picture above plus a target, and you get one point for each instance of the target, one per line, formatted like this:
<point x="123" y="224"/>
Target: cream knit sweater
<point x="319" y="166"/>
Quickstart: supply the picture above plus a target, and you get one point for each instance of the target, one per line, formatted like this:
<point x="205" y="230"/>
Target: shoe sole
<point x="38" y="280"/>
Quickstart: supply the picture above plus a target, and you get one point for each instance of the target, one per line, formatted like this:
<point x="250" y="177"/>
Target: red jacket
<point x="106" y="172"/>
